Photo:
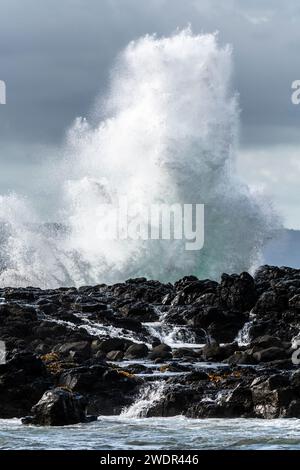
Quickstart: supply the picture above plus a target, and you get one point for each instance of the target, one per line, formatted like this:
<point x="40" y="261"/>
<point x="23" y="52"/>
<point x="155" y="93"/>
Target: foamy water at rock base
<point x="166" y="132"/>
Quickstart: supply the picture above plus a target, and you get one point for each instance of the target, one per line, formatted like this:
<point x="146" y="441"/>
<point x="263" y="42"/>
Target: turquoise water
<point x="120" y="433"/>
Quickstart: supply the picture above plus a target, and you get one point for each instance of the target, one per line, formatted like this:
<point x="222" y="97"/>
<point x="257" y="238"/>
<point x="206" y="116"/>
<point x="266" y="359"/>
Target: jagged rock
<point x="295" y="379"/>
<point x="129" y="324"/>
<point x="140" y="311"/>
<point x="264" y="342"/>
<point x="294" y="302"/>
<point x="174" y="402"/>
<point x="138" y="369"/>
<point x="293" y="409"/>
<point x="78" y="350"/>
<point x="270" y="301"/>
<point x="87" y="307"/>
<point x="227" y="330"/>
<point x="196" y="375"/>
<point x="272" y="397"/>
<point x="239" y="403"/>
<point x="238" y="292"/>
<point x="107" y="390"/>
<point x="23" y="380"/>
<point x="241" y="357"/>
<point x="114" y="344"/>
<point x="207" y="316"/>
<point x="216" y="352"/>
<point x="187" y="353"/>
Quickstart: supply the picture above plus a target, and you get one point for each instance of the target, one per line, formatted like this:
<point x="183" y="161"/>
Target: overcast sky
<point x="55" y="57"/>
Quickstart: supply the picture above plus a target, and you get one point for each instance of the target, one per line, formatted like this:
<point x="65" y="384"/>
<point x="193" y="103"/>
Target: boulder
<point x="226" y="331"/>
<point x="270" y="301"/>
<point x="107" y="390"/>
<point x="215" y="352"/>
<point x="162" y="351"/>
<point x="140" y="311"/>
<point x="185" y="353"/>
<point x="23" y="380"/>
<point x="241" y="357"/>
<point x="237" y="292"/>
<point x="114" y="344"/>
<point x="293" y="410"/>
<point x="136" y="351"/>
<point x="115" y="355"/>
<point x="270" y="354"/>
<point x="294" y="302"/>
<point x="266" y="341"/>
<point x="238" y="403"/>
<point x="295" y="379"/>
<point x="206" y="316"/>
<point x="272" y="396"/>
<point x="80" y="350"/>
<point x="58" y="407"/>
<point x="196" y="376"/>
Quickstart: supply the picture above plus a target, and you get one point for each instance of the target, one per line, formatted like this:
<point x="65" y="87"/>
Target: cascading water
<point x="149" y="395"/>
<point x="166" y="133"/>
<point x="243" y="337"/>
<point x="172" y="335"/>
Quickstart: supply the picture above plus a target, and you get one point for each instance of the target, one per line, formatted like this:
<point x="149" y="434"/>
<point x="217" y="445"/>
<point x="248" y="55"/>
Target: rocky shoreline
<point x="197" y="348"/>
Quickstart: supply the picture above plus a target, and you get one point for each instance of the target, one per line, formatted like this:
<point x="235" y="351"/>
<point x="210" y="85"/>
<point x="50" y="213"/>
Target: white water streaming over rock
<point x="97" y="329"/>
<point x="149" y="395"/>
<point x="165" y="133"/>
<point x="243" y="337"/>
<point x="172" y="335"/>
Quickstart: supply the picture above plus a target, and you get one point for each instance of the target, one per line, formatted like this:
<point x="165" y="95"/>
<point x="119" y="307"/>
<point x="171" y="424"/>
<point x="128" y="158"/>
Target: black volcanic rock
<point x="237" y="292"/>
<point x="58" y="341"/>
<point x="140" y="311"/>
<point x="107" y="390"/>
<point x="161" y="351"/>
<point x="23" y="380"/>
<point x="136" y="351"/>
<point x="59" y="407"/>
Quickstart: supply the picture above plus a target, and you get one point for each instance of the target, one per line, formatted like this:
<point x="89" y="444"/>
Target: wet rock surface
<point x="211" y="349"/>
<point x="59" y="407"/>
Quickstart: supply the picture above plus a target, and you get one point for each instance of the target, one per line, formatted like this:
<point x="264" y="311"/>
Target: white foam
<point x="149" y="395"/>
<point x="166" y="133"/>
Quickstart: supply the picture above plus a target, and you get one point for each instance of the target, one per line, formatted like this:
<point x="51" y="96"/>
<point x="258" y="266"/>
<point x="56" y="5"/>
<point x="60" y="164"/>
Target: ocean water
<point x="127" y="433"/>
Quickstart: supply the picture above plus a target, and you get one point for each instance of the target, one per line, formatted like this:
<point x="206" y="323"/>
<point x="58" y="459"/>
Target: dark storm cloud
<point x="55" y="56"/>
